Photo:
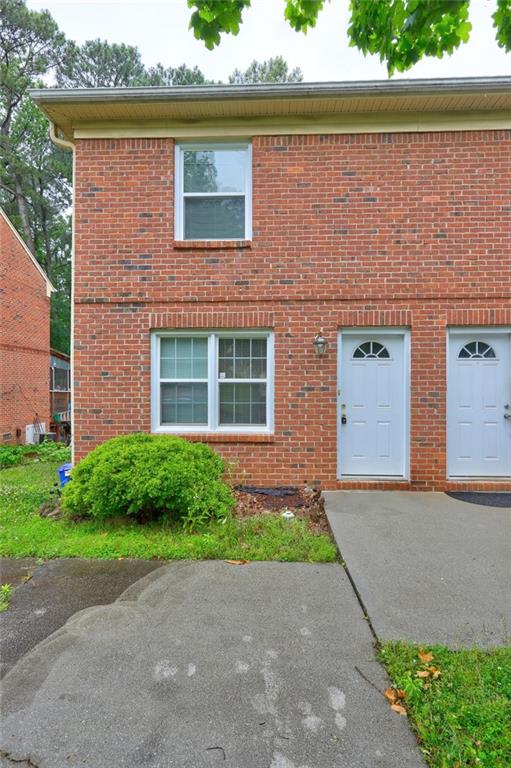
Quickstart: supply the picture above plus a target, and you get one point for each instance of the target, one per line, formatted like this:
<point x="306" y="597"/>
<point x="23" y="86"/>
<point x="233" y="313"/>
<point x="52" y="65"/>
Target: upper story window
<point x="213" y="191"/>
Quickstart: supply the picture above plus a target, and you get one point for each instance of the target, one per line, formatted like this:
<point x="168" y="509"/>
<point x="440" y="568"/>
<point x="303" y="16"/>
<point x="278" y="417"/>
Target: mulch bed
<point x="306" y="503"/>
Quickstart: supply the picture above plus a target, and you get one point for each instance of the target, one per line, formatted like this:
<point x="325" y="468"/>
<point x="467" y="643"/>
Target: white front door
<point x="372" y="408"/>
<point x="479" y="405"/>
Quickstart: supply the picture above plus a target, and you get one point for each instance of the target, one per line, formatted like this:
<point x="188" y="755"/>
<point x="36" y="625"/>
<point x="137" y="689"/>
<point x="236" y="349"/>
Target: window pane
<point x="214" y="170"/>
<point x="258" y="413"/>
<point x="185" y="403"/>
<point x="242" y="404"/>
<point x="242" y="393"/>
<point x="242" y="358"/>
<point x="200" y="347"/>
<point x="226" y="368"/>
<point x="258" y="368"/>
<point x="242" y="368"/>
<point x="200" y="368"/>
<point x="216" y="218"/>
<point x="258" y="347"/>
<point x="183" y="368"/>
<point x="258" y="393"/>
<point x="61" y="380"/>
<point x="226" y="413"/>
<point x="184" y="357"/>
<point x="226" y="347"/>
<point x="242" y="347"/>
<point x="242" y="413"/>
<point x="168" y="358"/>
<point x="227" y="393"/>
<point x="183" y="346"/>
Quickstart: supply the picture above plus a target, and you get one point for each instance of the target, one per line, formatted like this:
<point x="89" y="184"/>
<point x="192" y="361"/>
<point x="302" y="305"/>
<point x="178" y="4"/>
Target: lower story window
<point x="212" y="381"/>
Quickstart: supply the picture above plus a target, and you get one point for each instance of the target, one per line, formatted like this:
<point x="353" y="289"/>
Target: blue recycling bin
<point x="64" y="474"/>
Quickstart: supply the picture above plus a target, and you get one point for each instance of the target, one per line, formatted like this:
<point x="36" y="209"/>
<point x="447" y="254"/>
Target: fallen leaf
<point x="425" y="657"/>
<point x="237" y="562"/>
<point x="435" y="672"/>
<point x="426" y="686"/>
<point x="391" y="695"/>
<point x="422" y="673"/>
<point x="400" y="693"/>
<point x="398" y="708"/>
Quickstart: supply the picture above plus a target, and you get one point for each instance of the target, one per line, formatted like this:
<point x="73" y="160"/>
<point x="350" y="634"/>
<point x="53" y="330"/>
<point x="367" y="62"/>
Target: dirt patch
<point x="51" y="508"/>
<point x="306" y="503"/>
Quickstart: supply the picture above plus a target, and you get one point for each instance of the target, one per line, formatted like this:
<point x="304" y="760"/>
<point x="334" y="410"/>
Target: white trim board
<point x="238" y="128"/>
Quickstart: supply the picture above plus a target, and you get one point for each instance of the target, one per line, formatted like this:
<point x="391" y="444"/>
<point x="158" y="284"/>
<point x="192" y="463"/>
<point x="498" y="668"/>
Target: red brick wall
<point x="393" y="230"/>
<point x="24" y="338"/>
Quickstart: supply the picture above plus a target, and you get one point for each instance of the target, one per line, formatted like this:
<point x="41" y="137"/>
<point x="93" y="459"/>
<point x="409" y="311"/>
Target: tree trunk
<point x="21" y="202"/>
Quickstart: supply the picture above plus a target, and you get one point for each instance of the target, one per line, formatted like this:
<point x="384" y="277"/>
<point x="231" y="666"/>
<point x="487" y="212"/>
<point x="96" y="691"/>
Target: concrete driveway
<point x="265" y="665"/>
<point x="428" y="568"/>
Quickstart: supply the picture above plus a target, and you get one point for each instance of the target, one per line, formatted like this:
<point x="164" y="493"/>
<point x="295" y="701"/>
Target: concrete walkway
<point x="429" y="568"/>
<point x="265" y="665"/>
<point x="47" y="594"/>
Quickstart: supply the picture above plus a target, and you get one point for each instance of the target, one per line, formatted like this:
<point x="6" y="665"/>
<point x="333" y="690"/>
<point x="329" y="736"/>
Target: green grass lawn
<point x="463" y="717"/>
<point x="23" y="533"/>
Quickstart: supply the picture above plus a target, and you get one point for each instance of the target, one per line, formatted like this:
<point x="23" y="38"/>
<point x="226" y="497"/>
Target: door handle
<point x="344" y="420"/>
<point x="507" y="415"/>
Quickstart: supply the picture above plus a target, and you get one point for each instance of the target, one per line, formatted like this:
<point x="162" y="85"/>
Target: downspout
<point x="61" y="143"/>
<point x="69" y="145"/>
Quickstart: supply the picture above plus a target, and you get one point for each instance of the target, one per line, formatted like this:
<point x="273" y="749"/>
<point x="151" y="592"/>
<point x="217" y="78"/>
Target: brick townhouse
<point x="314" y="279"/>
<point x="24" y="338"/>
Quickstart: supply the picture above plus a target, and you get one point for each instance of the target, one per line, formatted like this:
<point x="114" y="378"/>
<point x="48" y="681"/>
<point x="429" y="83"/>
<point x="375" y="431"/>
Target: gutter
<point x="357" y="89"/>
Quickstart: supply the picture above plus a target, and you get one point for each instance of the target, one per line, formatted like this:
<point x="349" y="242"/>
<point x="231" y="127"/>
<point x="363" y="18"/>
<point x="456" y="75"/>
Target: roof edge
<point x="340" y="89"/>
<point x="50" y="288"/>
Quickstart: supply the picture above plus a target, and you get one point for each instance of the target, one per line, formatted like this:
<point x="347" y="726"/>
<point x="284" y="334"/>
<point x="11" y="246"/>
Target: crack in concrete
<point x="18" y="761"/>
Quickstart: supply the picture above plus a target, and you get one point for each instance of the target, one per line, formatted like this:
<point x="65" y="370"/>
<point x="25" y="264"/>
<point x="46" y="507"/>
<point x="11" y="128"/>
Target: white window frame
<point x="179" y="208"/>
<point x="213" y="426"/>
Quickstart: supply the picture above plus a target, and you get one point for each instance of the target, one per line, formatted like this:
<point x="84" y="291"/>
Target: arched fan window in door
<point x="371" y="349"/>
<point x="477" y="350"/>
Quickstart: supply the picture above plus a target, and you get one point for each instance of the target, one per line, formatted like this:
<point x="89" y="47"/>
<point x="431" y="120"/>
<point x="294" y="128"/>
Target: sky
<point x="160" y="30"/>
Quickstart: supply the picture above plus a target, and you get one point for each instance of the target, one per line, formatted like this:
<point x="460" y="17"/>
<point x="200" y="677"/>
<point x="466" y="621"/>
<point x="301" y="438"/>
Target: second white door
<point x="479" y="404"/>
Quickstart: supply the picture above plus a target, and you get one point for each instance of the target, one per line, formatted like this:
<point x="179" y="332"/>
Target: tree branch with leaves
<point x="400" y="32"/>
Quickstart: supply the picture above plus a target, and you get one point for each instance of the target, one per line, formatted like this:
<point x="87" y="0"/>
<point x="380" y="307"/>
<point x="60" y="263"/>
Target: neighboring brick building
<point x="220" y="230"/>
<point x="24" y="337"/>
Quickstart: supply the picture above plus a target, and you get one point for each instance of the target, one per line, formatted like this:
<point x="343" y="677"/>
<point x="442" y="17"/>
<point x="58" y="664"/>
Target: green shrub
<point x="50" y="451"/>
<point x="149" y="476"/>
<point x="10" y="455"/>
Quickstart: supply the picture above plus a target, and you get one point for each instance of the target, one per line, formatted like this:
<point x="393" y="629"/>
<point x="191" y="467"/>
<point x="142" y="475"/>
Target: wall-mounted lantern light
<point x="320" y="344"/>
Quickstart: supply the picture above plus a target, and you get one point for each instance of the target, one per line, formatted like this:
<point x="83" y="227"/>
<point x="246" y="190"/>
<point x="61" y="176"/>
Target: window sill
<point x="210" y="245"/>
<point x="224" y="437"/>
